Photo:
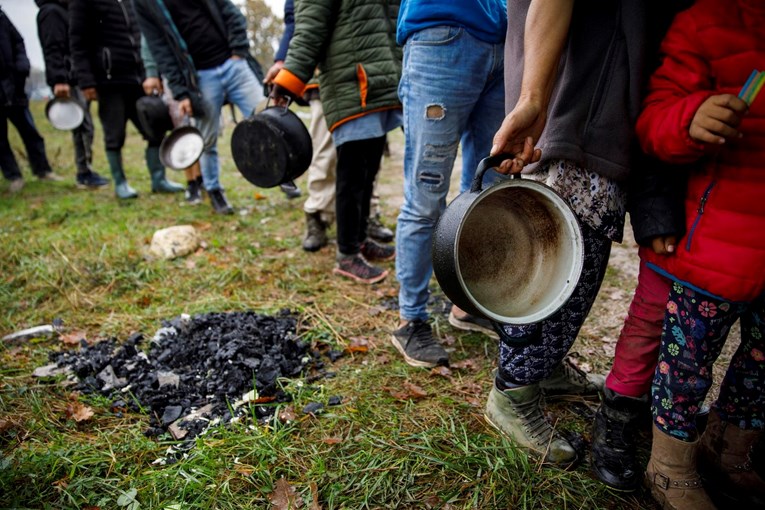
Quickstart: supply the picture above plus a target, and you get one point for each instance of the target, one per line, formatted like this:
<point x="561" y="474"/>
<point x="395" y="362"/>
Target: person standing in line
<point x="53" y="31"/>
<point x="201" y="49"/>
<point x="353" y="45"/>
<point x="14" y="107"/>
<point x="444" y="104"/>
<point x="106" y="51"/>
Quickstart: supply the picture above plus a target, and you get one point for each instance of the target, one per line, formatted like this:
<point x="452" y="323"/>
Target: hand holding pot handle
<point x="484" y="166"/>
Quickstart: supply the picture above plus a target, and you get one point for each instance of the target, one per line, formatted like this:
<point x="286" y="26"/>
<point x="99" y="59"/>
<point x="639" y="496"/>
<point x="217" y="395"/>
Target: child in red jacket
<point x="693" y="114"/>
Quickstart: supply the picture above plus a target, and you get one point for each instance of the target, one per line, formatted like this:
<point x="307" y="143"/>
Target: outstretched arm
<point x="547" y="25"/>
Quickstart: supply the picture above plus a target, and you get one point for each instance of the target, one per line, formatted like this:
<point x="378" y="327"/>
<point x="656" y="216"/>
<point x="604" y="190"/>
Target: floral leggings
<point x="695" y="328"/>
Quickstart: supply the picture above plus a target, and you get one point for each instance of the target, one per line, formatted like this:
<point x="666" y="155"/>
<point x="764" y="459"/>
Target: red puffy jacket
<point x="711" y="49"/>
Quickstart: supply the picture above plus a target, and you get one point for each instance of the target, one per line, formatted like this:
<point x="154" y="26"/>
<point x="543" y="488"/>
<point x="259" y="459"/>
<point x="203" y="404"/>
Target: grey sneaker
<point x="517" y="413"/>
<point x="415" y="341"/>
<point x="569" y="381"/>
<point x="472" y="322"/>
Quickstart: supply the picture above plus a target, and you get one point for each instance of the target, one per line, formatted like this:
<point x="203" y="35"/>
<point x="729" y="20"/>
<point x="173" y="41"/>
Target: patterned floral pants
<point x="695" y="329"/>
<point x="554" y="336"/>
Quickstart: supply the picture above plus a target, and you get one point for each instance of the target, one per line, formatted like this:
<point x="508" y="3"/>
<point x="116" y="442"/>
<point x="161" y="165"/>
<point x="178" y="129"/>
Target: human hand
<point x="273" y="71"/>
<point x="664" y="245"/>
<point x="717" y="119"/>
<point x="150" y="85"/>
<point x="517" y="135"/>
<point x="62" y="90"/>
<point x="90" y="94"/>
<point x="184" y="107"/>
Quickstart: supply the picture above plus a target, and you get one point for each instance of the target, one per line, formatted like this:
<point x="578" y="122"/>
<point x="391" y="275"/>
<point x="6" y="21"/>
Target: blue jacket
<point x="483" y="19"/>
<point x="289" y="29"/>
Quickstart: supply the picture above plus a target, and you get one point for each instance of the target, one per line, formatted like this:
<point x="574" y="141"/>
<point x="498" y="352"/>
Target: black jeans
<point x="116" y="105"/>
<point x="357" y="165"/>
<point x="21" y="117"/>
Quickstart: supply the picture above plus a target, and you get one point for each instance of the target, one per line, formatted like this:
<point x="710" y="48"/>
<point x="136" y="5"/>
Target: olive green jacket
<point x="353" y="43"/>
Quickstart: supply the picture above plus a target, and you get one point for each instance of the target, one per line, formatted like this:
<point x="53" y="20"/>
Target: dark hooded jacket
<point x="14" y="64"/>
<point x="53" y="30"/>
<point x="105" y="43"/>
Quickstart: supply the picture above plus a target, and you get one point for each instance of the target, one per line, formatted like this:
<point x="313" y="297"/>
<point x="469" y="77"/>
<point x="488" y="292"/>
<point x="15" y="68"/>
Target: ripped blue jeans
<point x="452" y="90"/>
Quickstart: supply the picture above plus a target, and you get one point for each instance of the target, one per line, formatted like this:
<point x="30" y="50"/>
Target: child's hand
<point x="717" y="119"/>
<point x="664" y="245"/>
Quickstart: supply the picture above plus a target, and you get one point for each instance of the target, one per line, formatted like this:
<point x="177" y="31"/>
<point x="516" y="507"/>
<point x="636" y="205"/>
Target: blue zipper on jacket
<point x="700" y="212"/>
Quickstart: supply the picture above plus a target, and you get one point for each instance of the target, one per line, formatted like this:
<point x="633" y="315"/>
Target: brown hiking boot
<point x="671" y="474"/>
<point x="725" y="461"/>
<point x="315" y="232"/>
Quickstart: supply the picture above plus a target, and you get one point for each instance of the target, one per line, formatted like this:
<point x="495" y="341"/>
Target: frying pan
<point x="182" y="147"/>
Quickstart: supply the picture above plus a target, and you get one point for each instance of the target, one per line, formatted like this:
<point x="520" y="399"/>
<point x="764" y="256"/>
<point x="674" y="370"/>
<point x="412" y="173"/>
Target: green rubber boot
<point x="517" y="413"/>
<point x="159" y="183"/>
<point x="121" y="187"/>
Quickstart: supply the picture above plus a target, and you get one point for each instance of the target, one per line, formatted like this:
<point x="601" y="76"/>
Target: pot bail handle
<point x="485" y="165"/>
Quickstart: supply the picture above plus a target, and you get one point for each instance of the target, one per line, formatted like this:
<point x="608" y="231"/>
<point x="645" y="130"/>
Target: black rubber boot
<point x="614" y="438"/>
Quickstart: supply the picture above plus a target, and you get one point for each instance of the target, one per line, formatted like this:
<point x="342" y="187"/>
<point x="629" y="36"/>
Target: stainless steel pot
<point x="65" y="113"/>
<point x="511" y="252"/>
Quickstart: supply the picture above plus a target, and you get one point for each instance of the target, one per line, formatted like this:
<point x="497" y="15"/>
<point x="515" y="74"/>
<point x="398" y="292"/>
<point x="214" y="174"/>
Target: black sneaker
<point x="357" y="268"/>
<point x="472" y="322"/>
<point x="290" y="190"/>
<point x="376" y="251"/>
<point x="418" y="345"/>
<point x="219" y="202"/>
<point x="377" y="231"/>
<point x="193" y="192"/>
<point x="91" y="180"/>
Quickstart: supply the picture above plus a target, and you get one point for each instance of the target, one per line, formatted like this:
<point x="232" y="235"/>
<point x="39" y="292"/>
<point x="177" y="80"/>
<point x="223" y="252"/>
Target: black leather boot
<point x="614" y="438"/>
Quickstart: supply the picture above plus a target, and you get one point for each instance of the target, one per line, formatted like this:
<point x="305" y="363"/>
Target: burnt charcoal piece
<point x="171" y="414"/>
<point x="335" y="400"/>
<point x="313" y="408"/>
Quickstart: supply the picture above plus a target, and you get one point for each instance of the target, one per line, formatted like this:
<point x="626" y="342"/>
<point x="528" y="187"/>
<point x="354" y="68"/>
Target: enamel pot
<point x="271" y="147"/>
<point x="511" y="252"/>
<point x="182" y="147"/>
<point x="65" y="113"/>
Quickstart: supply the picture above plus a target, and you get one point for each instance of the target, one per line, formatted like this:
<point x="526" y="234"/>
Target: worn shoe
<point x="671" y="474"/>
<point x="472" y="322"/>
<point x="51" y="176"/>
<point x="315" y="232"/>
<point x="614" y="439"/>
<point x="219" y="202"/>
<point x="378" y="252"/>
<point x="290" y="190"/>
<point x="16" y="185"/>
<point x="569" y="381"/>
<point x="415" y="341"/>
<point x="193" y="192"/>
<point x="377" y="231"/>
<point x="124" y="191"/>
<point x="517" y="413"/>
<point x="357" y="268"/>
<point x="91" y="179"/>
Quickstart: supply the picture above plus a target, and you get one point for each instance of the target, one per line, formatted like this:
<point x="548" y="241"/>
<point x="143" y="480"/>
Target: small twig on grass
<point x="316" y="312"/>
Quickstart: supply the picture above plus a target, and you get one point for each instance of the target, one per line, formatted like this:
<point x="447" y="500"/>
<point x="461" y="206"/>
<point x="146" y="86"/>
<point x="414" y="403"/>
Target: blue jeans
<point x="232" y="80"/>
<point x="452" y="89"/>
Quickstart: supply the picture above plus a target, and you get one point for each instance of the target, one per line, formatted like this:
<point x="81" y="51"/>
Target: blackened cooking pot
<point x="271" y="147"/>
<point x="512" y="252"/>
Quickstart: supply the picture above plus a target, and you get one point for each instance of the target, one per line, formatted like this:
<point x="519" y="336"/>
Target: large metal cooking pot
<point x="182" y="147"/>
<point x="271" y="147"/>
<point x="512" y="252"/>
<point x="65" y="113"/>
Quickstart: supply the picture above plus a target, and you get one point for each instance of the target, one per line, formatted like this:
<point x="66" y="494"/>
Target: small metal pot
<point x="512" y="252"/>
<point x="182" y="147"/>
<point x="271" y="147"/>
<point x="65" y="113"/>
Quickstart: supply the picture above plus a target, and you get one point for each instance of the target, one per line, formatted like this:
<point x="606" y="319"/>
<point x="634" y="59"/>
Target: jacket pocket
<point x="106" y="62"/>
<point x="699" y="214"/>
<point x="361" y="76"/>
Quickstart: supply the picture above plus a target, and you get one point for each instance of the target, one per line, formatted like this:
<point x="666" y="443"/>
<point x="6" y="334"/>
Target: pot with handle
<point x="511" y="252"/>
<point x="271" y="147"/>
<point x="182" y="147"/>
<point x="65" y="113"/>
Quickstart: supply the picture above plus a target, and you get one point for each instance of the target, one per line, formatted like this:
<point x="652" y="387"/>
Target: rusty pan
<point x="511" y="252"/>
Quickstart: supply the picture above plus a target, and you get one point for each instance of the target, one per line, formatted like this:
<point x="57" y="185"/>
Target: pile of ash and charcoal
<point x="197" y="368"/>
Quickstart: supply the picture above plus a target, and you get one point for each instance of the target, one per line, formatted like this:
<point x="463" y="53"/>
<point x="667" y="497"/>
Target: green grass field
<point x="80" y="256"/>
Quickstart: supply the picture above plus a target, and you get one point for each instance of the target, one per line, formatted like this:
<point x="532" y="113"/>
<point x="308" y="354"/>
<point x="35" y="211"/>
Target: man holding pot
<point x="201" y="49"/>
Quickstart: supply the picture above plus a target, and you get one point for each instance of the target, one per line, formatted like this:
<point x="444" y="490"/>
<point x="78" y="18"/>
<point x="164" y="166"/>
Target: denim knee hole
<point x="435" y="112"/>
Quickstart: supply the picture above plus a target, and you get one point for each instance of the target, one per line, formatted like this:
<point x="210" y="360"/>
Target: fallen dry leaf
<point x="284" y="497"/>
<point x="5" y="425"/>
<point x="469" y="364"/>
<point x="190" y="264"/>
<point x="442" y="371"/>
<point x="287" y="414"/>
<point x="244" y="470"/>
<point x="358" y="344"/>
<point x="264" y="400"/>
<point x="79" y="412"/>
<point x="258" y="196"/>
<point x="432" y="502"/>
<point x="383" y="359"/>
<point x="72" y="338"/>
<point x="331" y="440"/>
<point x="409" y="391"/>
<point x="314" y="497"/>
<point x="449" y="340"/>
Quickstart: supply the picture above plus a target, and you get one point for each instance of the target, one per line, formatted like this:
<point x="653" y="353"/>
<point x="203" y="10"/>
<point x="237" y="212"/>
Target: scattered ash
<point x="196" y="368"/>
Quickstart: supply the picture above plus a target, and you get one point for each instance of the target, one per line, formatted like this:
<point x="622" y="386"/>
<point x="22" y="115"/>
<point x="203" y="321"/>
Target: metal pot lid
<point x="184" y="150"/>
<point x="65" y="113"/>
